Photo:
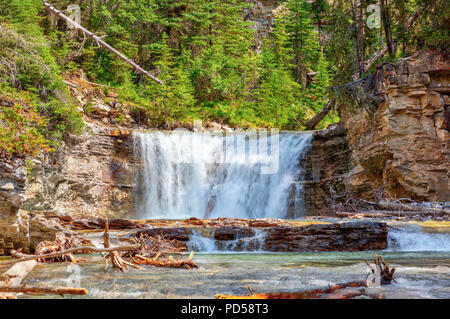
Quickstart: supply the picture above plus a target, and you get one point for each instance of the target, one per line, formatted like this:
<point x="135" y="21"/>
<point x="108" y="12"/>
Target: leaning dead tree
<point x="312" y="123"/>
<point x="51" y="9"/>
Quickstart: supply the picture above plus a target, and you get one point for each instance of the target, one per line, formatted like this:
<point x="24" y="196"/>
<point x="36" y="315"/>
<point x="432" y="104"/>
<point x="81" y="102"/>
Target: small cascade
<point x="208" y="175"/>
<point x="201" y="243"/>
<point x="198" y="242"/>
<point x="407" y="240"/>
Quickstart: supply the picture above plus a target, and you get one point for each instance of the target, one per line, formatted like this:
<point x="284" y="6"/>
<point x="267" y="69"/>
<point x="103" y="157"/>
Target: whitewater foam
<point x="240" y="175"/>
<point x="399" y="240"/>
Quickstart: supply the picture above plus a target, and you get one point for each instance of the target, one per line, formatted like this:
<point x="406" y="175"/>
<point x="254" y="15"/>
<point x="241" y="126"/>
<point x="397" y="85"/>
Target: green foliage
<point x="30" y="77"/>
<point x="202" y="51"/>
<point x="23" y="130"/>
<point x="169" y="101"/>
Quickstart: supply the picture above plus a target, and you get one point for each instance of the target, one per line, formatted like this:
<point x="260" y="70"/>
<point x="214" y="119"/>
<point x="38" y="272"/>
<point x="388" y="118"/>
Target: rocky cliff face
<point x="327" y="165"/>
<point x="92" y="171"/>
<point x="401" y="145"/>
<point x="398" y="145"/>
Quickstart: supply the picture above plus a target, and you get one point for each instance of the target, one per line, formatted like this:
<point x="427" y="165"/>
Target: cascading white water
<point x="201" y="243"/>
<point x="417" y="241"/>
<point x="244" y="175"/>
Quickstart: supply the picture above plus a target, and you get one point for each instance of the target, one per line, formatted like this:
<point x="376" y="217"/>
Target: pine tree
<point x="176" y="95"/>
<point x="296" y="40"/>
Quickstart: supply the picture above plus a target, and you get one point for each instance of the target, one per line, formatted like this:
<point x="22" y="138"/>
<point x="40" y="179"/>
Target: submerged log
<point x="307" y="294"/>
<point x="14" y="276"/>
<point x="45" y="290"/>
<point x="381" y="274"/>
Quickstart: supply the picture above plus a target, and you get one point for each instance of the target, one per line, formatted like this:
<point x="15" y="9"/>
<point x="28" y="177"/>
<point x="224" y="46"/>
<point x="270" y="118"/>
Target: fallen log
<point x="391" y="213"/>
<point x="45" y="290"/>
<point x="72" y="250"/>
<point x="394" y="206"/>
<point x="60" y="243"/>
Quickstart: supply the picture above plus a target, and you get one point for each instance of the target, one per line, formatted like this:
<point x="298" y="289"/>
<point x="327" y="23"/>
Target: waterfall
<point x="208" y="175"/>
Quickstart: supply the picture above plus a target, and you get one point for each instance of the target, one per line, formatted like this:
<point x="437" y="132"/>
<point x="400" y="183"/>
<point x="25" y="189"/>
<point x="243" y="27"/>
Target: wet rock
<point x="267" y="222"/>
<point x="352" y="236"/>
<point x="232" y="233"/>
<point x="328" y="237"/>
<point x="181" y="233"/>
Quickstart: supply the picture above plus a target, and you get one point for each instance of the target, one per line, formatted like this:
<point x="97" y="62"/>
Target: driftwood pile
<point x="143" y="250"/>
<point x="153" y="246"/>
<point x="170" y="262"/>
<point x="380" y="274"/>
<point x="61" y="243"/>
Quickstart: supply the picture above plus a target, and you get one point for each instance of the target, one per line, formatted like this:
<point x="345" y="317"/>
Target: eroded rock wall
<point x="91" y="171"/>
<point x="401" y="146"/>
<point x="89" y="175"/>
<point x="327" y="165"/>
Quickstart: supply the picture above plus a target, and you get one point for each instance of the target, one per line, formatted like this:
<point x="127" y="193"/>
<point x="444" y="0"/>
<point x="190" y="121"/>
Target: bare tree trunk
<point x="361" y="38"/>
<point x="407" y="26"/>
<point x="357" y="69"/>
<point x="387" y="26"/>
